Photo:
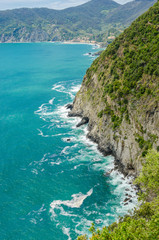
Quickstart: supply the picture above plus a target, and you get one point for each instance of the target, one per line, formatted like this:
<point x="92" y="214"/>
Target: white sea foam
<point x="51" y="100"/>
<point x="76" y="201"/>
<point x="33" y="220"/>
<point x="58" y="87"/>
<point x="64" y="151"/>
<point x="75" y="89"/>
<point x="62" y="89"/>
<point x="58" y="162"/>
<point x="77" y="166"/>
<point x="35" y="171"/>
<point x="66" y="231"/>
<point x="40" y="108"/>
<point x="35" y="215"/>
<point x="68" y="149"/>
<point x="40" y="166"/>
<point x="82" y="226"/>
<point x="41" y="133"/>
<point x="86" y="54"/>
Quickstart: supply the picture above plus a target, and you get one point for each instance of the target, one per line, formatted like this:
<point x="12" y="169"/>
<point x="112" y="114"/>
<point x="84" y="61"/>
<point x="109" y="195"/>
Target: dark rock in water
<point x="127" y="199"/>
<point x="97" y="53"/>
<point x="130" y="201"/>
<point x="108" y="173"/>
<point x="129" y="196"/>
<point x="69" y="106"/>
<point x="127" y="189"/>
<point x="98" y="221"/>
<point x="68" y="139"/>
<point x="83" y="121"/>
<point x="125" y="204"/>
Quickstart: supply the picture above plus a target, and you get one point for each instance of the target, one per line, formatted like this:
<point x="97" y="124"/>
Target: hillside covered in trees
<point x="120" y="97"/>
<point x="96" y="20"/>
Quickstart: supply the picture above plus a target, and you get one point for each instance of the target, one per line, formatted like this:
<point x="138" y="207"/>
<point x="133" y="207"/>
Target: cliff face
<point x="120" y="94"/>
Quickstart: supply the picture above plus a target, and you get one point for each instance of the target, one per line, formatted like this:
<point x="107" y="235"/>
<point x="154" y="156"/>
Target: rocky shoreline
<point x="108" y="151"/>
<point x="118" y="166"/>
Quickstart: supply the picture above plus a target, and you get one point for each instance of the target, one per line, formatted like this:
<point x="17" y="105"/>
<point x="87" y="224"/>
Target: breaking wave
<point x="75" y="202"/>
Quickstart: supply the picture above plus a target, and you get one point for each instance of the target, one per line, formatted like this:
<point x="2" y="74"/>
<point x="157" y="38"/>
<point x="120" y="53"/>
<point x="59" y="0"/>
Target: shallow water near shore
<point x="52" y="178"/>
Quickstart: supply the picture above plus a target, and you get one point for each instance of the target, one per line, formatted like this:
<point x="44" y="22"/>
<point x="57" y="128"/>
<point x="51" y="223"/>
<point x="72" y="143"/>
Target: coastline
<point x="117" y="165"/>
<point x="105" y="152"/>
<point x="98" y="45"/>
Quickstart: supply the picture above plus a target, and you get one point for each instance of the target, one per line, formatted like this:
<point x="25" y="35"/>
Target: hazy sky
<point x="55" y="4"/>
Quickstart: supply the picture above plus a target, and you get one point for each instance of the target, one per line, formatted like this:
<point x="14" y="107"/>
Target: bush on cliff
<point x="143" y="223"/>
<point x="128" y="69"/>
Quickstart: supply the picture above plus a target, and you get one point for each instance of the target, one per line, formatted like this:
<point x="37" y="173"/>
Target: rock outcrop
<point x="84" y="120"/>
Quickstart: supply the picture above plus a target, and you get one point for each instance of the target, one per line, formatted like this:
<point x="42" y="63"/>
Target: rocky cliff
<point x="120" y="94"/>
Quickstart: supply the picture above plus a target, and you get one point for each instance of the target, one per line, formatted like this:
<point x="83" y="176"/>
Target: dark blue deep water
<point x="52" y="182"/>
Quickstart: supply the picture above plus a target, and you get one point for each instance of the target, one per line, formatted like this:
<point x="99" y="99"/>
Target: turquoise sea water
<point x="52" y="182"/>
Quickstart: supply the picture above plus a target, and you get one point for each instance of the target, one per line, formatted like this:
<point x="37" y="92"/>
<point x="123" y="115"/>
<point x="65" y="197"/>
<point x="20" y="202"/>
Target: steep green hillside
<point x="128" y="70"/>
<point x="120" y="96"/>
<point x="94" y="20"/>
<point x="123" y="84"/>
<point x="130" y="11"/>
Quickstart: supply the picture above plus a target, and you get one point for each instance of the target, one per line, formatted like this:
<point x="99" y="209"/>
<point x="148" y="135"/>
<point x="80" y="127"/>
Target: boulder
<point x="83" y="121"/>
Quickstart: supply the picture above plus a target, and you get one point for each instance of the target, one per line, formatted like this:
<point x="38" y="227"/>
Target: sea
<point x="54" y="183"/>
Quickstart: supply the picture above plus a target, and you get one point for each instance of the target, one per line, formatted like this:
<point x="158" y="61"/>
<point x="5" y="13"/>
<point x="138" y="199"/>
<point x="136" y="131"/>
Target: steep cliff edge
<point x="120" y="94"/>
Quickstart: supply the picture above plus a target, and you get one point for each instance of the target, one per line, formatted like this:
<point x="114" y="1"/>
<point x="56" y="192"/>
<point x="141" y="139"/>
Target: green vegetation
<point x="128" y="69"/>
<point x="89" y="21"/>
<point x="128" y="74"/>
<point x="143" y="144"/>
<point x="143" y="223"/>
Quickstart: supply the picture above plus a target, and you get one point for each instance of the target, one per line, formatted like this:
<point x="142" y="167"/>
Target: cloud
<point x="55" y="4"/>
<point x="123" y="1"/>
<point x="65" y="4"/>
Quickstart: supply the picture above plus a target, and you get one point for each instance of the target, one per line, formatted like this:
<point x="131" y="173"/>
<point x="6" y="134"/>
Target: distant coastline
<point x="98" y="45"/>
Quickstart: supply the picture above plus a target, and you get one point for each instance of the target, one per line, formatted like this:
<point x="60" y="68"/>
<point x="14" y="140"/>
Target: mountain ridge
<point x="89" y="21"/>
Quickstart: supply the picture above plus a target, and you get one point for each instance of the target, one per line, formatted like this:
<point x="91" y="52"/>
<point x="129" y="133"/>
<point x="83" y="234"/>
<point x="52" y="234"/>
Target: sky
<point x="55" y="4"/>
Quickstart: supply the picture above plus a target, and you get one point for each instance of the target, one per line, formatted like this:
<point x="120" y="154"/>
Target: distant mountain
<point x="94" y="20"/>
<point x="130" y="11"/>
<point x="53" y="25"/>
